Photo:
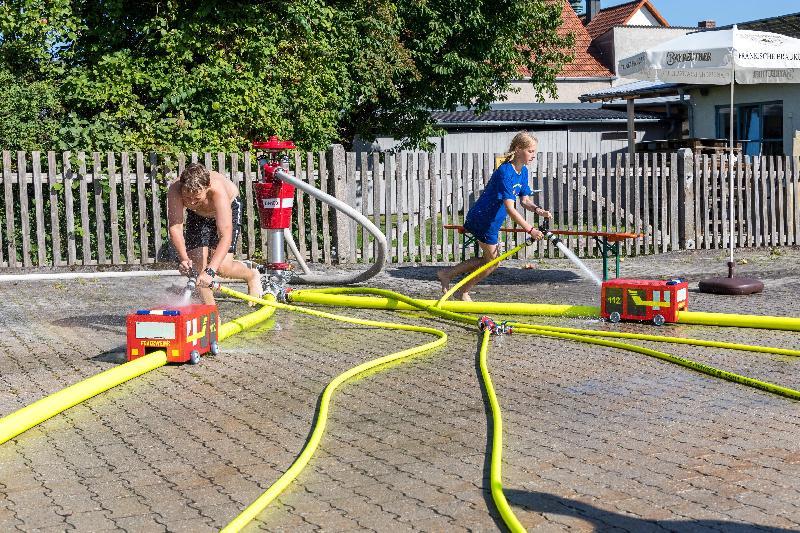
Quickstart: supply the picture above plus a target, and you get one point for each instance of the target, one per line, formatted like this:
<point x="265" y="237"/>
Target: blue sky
<point x="689" y="12"/>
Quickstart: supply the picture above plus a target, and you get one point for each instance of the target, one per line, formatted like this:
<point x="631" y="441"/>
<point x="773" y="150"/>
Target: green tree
<point x="210" y="75"/>
<point x="33" y="33"/>
<point x="458" y="53"/>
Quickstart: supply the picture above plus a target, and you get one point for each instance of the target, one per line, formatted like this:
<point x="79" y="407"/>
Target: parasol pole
<point x="730" y="156"/>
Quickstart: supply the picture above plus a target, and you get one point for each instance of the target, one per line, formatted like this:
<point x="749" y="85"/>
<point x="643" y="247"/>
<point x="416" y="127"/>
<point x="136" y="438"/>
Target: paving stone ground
<point x="596" y="439"/>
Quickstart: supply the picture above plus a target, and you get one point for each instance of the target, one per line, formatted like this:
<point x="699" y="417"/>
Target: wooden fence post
<point x="685" y="173"/>
<point x="337" y="183"/>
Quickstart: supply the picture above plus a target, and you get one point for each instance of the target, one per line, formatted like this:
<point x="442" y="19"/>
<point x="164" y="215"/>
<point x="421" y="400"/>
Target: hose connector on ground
<point x="487" y="324"/>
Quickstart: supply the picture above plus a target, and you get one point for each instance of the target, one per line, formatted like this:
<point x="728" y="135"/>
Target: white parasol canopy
<point x="719" y="57"/>
<point x="712" y="58"/>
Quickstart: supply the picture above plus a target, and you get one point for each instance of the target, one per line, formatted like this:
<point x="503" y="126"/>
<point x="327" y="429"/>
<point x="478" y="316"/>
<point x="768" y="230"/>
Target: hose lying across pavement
<point x="23" y="419"/>
<point x="27" y="417"/>
<point x="322" y="414"/>
<point x="339" y="296"/>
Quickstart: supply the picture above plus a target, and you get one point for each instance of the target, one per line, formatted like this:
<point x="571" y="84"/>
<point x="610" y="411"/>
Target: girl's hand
<point x="535" y="234"/>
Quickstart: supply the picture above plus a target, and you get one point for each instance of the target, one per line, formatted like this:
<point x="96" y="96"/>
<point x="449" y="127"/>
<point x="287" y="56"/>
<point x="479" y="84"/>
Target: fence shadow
<point x="501" y="276"/>
<point x="604" y="520"/>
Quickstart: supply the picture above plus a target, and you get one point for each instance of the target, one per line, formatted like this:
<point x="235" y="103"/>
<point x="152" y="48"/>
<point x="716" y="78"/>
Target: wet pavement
<point x="596" y="439"/>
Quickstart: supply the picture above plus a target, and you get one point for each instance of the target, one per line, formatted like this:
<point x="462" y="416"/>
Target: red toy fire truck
<point x="185" y="333"/>
<point x="643" y="299"/>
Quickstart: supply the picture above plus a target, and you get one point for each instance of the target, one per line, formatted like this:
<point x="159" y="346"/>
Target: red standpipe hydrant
<point x="275" y="198"/>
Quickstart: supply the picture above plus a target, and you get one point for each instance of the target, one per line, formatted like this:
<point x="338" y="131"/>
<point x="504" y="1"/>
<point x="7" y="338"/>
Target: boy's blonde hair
<point x="195" y="177"/>
<point x="521" y="140"/>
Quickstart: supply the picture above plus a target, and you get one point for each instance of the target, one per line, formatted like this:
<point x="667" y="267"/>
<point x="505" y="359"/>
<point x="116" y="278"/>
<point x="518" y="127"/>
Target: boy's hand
<point x="204" y="280"/>
<point x="185" y="267"/>
<point x="544" y="213"/>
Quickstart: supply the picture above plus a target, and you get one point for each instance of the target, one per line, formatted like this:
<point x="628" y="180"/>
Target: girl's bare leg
<point x="446" y="275"/>
<point x="488" y="252"/>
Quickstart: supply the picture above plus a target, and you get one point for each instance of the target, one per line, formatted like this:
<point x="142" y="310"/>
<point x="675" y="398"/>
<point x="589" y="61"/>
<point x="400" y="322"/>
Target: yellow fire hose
<point x="320" y="422"/>
<point x="496" y="462"/>
<point x="339" y="296"/>
<point x="478" y="272"/>
<point x="579" y="335"/>
<point x="49" y="406"/>
<point x="321" y="297"/>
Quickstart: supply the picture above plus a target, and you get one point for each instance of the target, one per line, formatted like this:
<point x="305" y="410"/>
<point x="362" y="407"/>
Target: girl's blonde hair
<point x="521" y="140"/>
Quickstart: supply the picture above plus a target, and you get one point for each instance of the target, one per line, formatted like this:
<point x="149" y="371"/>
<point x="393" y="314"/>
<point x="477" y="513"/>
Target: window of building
<point x="759" y="127"/>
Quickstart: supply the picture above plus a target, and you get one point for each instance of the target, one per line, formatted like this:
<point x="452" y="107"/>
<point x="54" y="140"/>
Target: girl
<point x="496" y="201"/>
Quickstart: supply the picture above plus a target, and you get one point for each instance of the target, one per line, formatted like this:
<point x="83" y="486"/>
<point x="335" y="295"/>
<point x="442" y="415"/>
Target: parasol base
<point x="731" y="285"/>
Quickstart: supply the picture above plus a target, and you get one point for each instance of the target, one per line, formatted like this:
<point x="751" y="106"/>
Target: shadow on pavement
<point x="604" y="520"/>
<point x="501" y="276"/>
<point x="108" y="323"/>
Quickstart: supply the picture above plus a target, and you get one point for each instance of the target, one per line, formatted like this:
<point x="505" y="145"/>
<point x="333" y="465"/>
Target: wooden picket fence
<point x="65" y="209"/>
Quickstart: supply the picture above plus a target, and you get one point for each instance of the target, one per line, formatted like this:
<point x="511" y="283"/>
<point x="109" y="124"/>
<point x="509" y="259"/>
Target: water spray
<point x="544" y="227"/>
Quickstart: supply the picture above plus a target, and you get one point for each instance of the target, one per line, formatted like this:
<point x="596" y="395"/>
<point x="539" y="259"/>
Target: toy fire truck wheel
<point x="658" y="320"/>
<point x="194" y="357"/>
<point x="214" y="348"/>
<point x="614" y="317"/>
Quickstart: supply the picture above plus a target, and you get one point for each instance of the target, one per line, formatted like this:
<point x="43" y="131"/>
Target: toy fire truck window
<point x="155" y="330"/>
<point x="632" y="308"/>
<point x="681" y="295"/>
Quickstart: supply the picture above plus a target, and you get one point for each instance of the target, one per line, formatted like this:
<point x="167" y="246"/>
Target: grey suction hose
<point x="380" y="238"/>
<point x="289" y="240"/>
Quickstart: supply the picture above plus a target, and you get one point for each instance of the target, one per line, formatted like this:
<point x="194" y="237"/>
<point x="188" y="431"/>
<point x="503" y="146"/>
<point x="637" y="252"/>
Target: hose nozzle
<point x="191" y="285"/>
<point x="544" y="227"/>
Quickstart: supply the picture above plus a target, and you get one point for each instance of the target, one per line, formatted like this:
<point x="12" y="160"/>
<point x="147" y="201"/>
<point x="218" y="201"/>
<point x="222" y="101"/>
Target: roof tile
<point x="537" y="115"/>
<point x="587" y="62"/>
<point x="618" y="16"/>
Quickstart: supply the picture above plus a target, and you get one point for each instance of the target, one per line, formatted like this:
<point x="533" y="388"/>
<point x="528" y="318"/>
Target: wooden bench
<point x="606" y="240"/>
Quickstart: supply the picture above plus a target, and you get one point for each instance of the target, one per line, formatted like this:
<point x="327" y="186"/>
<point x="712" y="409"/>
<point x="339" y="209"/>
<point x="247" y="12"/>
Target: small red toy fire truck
<point x="643" y="299"/>
<point x="185" y="333"/>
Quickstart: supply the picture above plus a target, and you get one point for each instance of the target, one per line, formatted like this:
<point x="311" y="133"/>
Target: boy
<point x="213" y="223"/>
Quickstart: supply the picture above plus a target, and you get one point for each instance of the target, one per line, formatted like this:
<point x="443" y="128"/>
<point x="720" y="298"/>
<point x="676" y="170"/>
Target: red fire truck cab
<point x="184" y="333"/>
<point x="643" y="299"/>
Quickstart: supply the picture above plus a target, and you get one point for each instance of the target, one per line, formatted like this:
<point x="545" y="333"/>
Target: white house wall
<point x="704" y="107"/>
<point x="568" y="91"/>
<point x="643" y="17"/>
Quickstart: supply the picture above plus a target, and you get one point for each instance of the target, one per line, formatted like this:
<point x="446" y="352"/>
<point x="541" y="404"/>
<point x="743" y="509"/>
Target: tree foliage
<point x="211" y="75"/>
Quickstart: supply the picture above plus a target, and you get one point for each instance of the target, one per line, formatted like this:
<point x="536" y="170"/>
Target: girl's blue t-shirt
<point x="488" y="214"/>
